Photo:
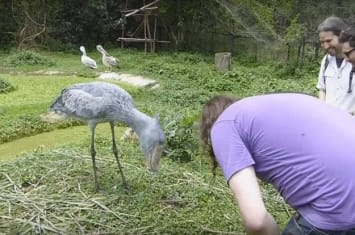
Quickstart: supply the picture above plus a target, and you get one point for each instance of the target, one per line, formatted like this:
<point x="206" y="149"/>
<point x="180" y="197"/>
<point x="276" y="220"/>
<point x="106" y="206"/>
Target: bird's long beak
<point x="154" y="158"/>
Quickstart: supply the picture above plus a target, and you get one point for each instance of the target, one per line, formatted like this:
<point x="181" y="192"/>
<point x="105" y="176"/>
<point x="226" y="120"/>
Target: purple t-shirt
<point x="299" y="144"/>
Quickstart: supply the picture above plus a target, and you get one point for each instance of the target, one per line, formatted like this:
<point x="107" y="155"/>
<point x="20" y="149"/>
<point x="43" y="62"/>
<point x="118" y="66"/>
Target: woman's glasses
<point x="347" y="53"/>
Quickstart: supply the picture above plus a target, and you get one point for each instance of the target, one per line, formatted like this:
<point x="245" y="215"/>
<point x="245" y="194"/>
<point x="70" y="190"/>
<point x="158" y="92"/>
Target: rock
<point x="138" y="81"/>
<point x="223" y="61"/>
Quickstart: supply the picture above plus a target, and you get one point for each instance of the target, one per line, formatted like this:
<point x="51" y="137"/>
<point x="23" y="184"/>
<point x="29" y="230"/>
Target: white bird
<point x="86" y="60"/>
<point x="108" y="60"/>
<point x="98" y="102"/>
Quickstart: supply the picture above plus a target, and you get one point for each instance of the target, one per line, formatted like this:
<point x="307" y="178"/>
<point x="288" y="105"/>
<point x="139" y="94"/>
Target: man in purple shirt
<point x="302" y="146"/>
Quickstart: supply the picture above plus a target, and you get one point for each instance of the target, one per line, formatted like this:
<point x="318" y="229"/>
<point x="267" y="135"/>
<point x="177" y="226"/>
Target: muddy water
<point x="53" y="139"/>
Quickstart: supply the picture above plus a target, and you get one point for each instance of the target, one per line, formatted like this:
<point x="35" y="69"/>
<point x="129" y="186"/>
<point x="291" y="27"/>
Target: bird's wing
<point x="82" y="104"/>
<point x="87" y="61"/>
<point x="112" y="61"/>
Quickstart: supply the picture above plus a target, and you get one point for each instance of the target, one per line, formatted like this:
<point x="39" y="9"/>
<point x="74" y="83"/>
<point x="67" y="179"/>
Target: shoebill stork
<point x="98" y="102"/>
<point x="108" y="60"/>
<point x="86" y="60"/>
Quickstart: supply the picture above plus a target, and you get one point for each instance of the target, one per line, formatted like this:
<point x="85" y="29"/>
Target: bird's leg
<point x="115" y="152"/>
<point x="93" y="154"/>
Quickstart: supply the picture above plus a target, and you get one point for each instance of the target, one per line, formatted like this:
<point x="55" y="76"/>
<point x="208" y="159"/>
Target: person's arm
<point x="256" y="219"/>
<point x="321" y="95"/>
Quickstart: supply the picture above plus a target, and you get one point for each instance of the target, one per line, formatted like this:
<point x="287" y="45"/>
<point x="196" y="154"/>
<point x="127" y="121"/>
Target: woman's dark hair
<point x="210" y="113"/>
<point x="348" y="35"/>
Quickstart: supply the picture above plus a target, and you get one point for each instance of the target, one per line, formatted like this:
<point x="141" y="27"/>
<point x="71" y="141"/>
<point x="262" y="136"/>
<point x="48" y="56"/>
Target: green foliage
<point x="297" y="69"/>
<point x="23" y="126"/>
<point x="263" y="13"/>
<point x="180" y="130"/>
<point x="21" y="109"/>
<point x="54" y="44"/>
<point x="295" y="31"/>
<point x="29" y="58"/>
<point x="187" y="24"/>
<point x="245" y="60"/>
<point x="28" y="125"/>
<point x="6" y="86"/>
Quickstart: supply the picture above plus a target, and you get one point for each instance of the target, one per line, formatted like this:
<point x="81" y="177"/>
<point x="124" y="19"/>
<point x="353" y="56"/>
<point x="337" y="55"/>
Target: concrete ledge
<point x="138" y="81"/>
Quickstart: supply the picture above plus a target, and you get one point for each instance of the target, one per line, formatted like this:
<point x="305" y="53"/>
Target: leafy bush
<point x="296" y="69"/>
<point x="5" y="86"/>
<point x="57" y="45"/>
<point x="29" y="58"/>
<point x="245" y="60"/>
<point x="182" y="141"/>
<point x="190" y="58"/>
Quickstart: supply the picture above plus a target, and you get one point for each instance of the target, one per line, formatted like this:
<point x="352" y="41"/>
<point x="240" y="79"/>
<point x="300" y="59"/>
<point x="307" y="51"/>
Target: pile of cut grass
<point x="52" y="193"/>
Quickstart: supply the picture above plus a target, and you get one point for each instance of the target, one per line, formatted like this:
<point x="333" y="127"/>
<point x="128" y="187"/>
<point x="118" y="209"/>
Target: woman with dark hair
<point x="280" y="139"/>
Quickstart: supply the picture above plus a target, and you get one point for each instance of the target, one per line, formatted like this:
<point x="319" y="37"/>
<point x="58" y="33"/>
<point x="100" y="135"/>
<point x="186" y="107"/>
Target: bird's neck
<point x="139" y="121"/>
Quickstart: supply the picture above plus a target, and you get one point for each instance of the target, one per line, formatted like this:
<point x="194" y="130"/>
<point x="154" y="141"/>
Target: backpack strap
<point x="350" y="80"/>
<point x="326" y="63"/>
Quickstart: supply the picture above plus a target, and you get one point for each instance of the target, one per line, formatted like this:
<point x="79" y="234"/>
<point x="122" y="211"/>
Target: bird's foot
<point x="97" y="189"/>
<point x="125" y="186"/>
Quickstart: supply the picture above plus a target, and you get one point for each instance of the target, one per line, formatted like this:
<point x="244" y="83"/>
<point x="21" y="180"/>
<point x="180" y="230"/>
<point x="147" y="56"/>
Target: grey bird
<point x="108" y="60"/>
<point x="86" y="60"/>
<point x="97" y="102"/>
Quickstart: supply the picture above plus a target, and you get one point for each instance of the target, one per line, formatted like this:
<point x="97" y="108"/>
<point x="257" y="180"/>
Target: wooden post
<point x="123" y="28"/>
<point x="148" y="30"/>
<point x="145" y="32"/>
<point x="223" y="61"/>
<point x="155" y="32"/>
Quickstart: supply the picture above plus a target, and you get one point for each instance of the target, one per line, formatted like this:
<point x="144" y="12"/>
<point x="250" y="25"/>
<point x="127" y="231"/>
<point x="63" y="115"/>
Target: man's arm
<point x="321" y="95"/>
<point x="256" y="219"/>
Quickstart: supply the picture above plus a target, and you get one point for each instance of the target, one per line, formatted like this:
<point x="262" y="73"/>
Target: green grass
<point x="58" y="191"/>
<point x="31" y="98"/>
<point x="21" y="109"/>
<point x="53" y="139"/>
<point x="52" y="184"/>
<point x="36" y="91"/>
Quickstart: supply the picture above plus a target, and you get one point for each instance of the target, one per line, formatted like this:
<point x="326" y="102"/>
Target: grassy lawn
<point x="53" y="139"/>
<point x="50" y="189"/>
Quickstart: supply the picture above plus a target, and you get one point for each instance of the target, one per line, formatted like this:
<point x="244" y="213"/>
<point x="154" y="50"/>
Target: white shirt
<point x="335" y="82"/>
